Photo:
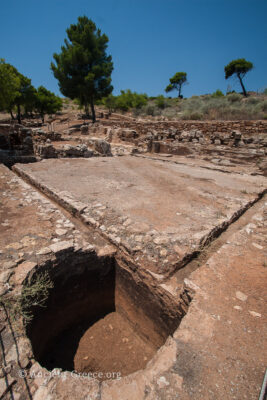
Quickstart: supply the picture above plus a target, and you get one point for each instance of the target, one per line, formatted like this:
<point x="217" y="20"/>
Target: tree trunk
<point x="179" y="91"/>
<point x="86" y="109"/>
<point x="12" y="116"/>
<point x="93" y="110"/>
<point x="242" y="85"/>
<point x="19" y="114"/>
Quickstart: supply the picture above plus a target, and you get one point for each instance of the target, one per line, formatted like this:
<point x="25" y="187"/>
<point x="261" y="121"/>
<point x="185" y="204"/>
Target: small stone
<point x="12" y="354"/>
<point x="178" y="250"/>
<point x="162" y="382"/>
<point x="43" y="251"/>
<point x="9" y="264"/>
<point x="62" y="246"/>
<point x="106" y="251"/>
<point x="61" y="232"/>
<point x="241" y="296"/>
<point x="237" y="308"/>
<point x="258" y="246"/>
<point x="163" y="252"/>
<point x="161" y="240"/>
<point x="4" y="288"/>
<point x="23" y="270"/>
<point x="127" y="222"/>
<point x="16" y="246"/>
<point x="20" y="260"/>
<point x="90" y="248"/>
<point x="4" y="276"/>
<point x="156" y="276"/>
<point x="255" y="314"/>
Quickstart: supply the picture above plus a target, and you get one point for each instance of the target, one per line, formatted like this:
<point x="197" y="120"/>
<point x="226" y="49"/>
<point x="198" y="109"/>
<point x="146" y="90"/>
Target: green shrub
<point x="150" y="110"/>
<point x="161" y="102"/>
<point x="192" y="115"/>
<point x="34" y="294"/>
<point x="253" y="100"/>
<point x="126" y="100"/>
<point x="234" y="97"/>
<point x="218" y="93"/>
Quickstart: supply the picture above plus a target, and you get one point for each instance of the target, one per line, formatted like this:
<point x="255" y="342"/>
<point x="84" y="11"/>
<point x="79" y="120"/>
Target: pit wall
<point x="151" y="311"/>
<point x="88" y="287"/>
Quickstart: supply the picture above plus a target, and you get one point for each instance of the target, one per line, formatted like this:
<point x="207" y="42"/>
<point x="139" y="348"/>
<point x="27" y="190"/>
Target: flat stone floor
<point x="160" y="212"/>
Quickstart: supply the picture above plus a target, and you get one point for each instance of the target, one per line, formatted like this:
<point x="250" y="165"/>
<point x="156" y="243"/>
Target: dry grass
<point x="209" y="107"/>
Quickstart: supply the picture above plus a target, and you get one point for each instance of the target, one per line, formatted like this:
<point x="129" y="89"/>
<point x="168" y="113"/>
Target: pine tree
<point x="83" y="68"/>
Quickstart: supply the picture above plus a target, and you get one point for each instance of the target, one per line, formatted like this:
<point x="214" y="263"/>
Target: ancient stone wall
<point x="207" y="127"/>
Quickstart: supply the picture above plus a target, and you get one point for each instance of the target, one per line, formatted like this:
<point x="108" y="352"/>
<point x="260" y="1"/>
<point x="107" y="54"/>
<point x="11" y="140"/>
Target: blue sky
<point x="149" y="40"/>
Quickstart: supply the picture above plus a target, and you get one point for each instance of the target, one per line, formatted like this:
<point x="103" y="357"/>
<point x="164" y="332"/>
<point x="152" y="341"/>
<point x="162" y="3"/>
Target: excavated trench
<point x="99" y="317"/>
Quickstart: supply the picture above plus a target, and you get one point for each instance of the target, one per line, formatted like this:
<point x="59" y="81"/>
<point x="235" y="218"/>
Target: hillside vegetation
<point x="216" y="106"/>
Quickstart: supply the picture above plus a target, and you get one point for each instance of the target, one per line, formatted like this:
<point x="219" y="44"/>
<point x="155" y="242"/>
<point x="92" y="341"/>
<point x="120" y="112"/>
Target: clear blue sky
<point x="150" y="40"/>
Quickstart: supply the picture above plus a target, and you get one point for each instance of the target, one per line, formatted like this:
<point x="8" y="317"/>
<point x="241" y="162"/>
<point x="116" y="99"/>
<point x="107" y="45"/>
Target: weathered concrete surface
<point x="159" y="213"/>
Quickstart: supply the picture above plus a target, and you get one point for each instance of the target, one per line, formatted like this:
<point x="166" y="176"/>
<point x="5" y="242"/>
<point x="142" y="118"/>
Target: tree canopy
<point x="17" y="92"/>
<point x="26" y="95"/>
<point x="47" y="102"/>
<point x="83" y="68"/>
<point x="15" y="89"/>
<point x="9" y="85"/>
<point x="125" y="100"/>
<point x="176" y="82"/>
<point x="238" y="67"/>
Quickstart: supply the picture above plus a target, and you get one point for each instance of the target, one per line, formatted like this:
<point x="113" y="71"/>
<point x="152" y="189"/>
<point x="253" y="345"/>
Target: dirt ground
<point x="110" y="345"/>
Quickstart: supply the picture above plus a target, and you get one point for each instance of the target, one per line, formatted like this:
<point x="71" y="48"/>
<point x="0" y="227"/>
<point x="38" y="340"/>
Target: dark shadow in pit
<point x="83" y="292"/>
<point x="99" y="316"/>
<point x="61" y="353"/>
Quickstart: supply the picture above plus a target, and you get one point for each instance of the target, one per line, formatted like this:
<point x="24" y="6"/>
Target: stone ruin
<point x="133" y="260"/>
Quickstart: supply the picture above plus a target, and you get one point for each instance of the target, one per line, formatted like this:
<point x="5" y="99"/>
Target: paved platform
<point x="160" y="213"/>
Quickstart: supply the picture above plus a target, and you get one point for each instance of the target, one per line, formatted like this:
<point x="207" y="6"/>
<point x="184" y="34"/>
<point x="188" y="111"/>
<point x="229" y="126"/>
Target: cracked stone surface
<point x="160" y="213"/>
